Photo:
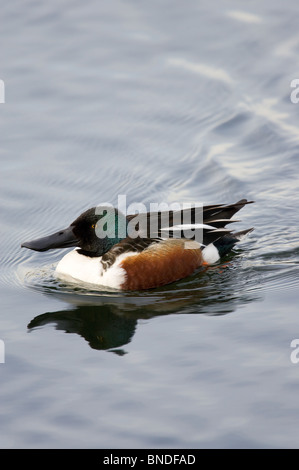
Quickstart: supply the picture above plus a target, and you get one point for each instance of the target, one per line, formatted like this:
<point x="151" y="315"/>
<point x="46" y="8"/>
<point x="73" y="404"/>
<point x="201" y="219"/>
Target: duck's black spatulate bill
<point x="62" y="239"/>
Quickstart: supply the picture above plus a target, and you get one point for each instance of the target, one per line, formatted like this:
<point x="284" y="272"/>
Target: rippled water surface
<point x="159" y="101"/>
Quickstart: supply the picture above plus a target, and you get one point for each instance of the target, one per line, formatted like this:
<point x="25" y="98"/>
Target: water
<point x="159" y="101"/>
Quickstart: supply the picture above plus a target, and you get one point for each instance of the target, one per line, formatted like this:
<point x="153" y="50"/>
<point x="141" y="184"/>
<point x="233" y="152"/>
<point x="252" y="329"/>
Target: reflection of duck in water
<point x="109" y="255"/>
<point x="109" y="322"/>
<point x="100" y="327"/>
<point x="104" y="327"/>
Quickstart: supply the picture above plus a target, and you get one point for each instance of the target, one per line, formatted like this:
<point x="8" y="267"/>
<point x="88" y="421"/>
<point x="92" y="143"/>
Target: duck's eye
<point x="93" y="226"/>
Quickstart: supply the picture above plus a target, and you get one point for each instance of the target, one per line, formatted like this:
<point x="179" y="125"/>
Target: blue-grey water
<point x="160" y="101"/>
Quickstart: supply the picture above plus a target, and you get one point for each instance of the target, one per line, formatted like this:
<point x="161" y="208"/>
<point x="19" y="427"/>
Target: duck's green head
<point x="94" y="232"/>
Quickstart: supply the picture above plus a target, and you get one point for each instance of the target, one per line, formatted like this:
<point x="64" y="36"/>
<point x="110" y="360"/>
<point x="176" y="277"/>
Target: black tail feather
<point x="226" y="243"/>
<point x="218" y="216"/>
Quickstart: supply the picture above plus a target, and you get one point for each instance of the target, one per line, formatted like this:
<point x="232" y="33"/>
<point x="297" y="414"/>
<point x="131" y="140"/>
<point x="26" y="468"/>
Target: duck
<point x="124" y="252"/>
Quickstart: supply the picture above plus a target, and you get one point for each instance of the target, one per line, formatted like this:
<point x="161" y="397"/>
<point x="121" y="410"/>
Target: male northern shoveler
<point x="145" y="262"/>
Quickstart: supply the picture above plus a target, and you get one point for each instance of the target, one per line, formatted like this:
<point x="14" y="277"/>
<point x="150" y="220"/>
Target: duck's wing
<point x="211" y="220"/>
